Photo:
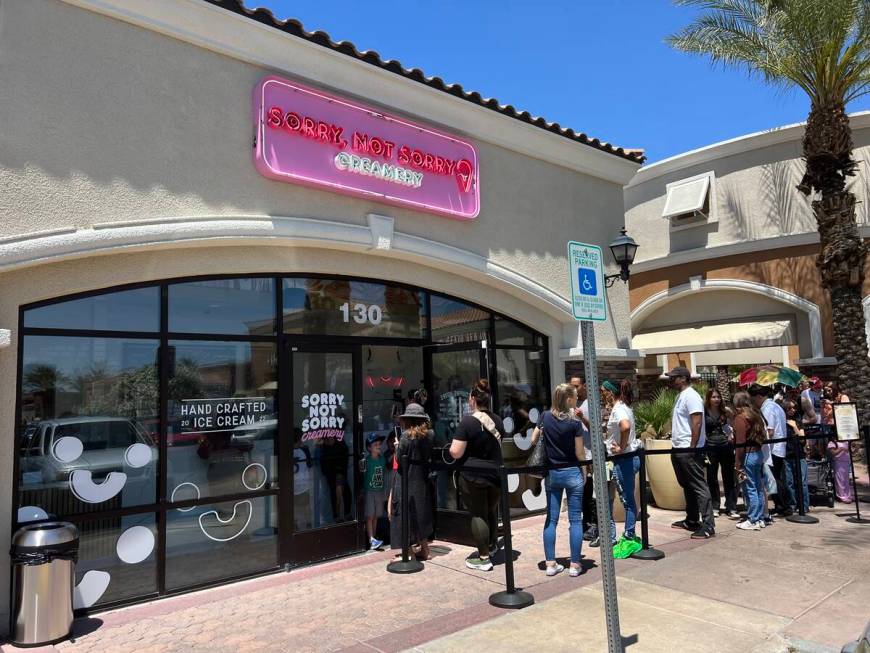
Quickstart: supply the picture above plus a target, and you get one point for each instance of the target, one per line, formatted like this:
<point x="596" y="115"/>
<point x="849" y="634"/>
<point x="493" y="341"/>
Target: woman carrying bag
<point x="477" y="442"/>
<point x="563" y="440"/>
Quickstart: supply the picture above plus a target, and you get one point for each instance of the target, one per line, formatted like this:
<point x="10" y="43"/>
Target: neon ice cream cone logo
<point x="464" y="175"/>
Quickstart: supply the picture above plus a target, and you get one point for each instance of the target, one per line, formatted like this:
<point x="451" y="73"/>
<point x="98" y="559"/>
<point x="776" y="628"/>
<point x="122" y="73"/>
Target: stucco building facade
<point x="726" y="271"/>
<point x="171" y="314"/>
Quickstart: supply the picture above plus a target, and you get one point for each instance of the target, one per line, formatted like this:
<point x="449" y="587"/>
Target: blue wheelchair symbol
<point x="588" y="282"/>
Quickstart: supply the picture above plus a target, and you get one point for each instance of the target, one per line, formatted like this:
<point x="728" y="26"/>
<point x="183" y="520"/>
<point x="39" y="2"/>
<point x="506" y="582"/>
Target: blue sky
<point x="599" y="66"/>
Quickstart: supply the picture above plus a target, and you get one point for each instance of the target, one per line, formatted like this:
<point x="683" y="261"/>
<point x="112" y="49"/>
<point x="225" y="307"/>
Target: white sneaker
<point x="555" y="569"/>
<point x="748" y="526"/>
<point x="573" y="572"/>
<point x="761" y="524"/>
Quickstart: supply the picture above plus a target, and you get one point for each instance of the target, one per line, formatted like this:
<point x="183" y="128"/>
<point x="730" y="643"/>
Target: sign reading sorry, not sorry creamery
<point x="325" y="416"/>
<point x="306" y="136"/>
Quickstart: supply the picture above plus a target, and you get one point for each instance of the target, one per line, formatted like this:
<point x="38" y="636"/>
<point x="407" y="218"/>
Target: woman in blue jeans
<point x="622" y="439"/>
<point x="749" y="435"/>
<point x="563" y="438"/>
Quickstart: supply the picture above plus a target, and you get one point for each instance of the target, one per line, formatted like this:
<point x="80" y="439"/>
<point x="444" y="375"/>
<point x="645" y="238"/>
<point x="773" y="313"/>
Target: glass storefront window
<point x="222" y="419"/>
<point x="128" y="310"/>
<point x="88" y="439"/>
<point x="456" y="322"/>
<point x="323" y="439"/>
<point x="342" y="307"/>
<point x="122" y="548"/>
<point x="510" y="333"/>
<point x="91" y="425"/>
<point x="224" y="306"/>
<point x="222" y="540"/>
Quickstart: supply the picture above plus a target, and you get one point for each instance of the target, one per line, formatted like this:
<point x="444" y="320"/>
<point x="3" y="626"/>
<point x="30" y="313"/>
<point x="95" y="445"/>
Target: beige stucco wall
<point x="110" y="122"/>
<point x="754" y="193"/>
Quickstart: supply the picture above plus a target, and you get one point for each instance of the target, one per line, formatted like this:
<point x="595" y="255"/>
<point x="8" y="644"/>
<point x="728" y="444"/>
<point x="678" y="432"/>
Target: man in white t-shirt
<point x="774" y="417"/>
<point x="688" y="432"/>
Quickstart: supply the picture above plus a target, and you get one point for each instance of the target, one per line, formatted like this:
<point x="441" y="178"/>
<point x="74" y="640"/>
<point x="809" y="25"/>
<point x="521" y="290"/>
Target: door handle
<point x="359" y="414"/>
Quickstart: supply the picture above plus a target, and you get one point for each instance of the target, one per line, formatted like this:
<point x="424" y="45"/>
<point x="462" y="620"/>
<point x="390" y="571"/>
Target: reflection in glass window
<point x="89" y="423"/>
<point x="343" y="307"/>
<point x="222" y="418"/>
<point x="222" y="540"/>
<point x="522" y="395"/>
<point x="229" y="306"/>
<point x="454" y="321"/>
<point x="520" y="385"/>
<point x="123" y="547"/>
<point x="508" y="332"/>
<point x="128" y="310"/>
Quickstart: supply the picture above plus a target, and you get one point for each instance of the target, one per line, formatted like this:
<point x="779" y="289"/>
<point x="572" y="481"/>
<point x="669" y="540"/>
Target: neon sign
<point x="309" y="137"/>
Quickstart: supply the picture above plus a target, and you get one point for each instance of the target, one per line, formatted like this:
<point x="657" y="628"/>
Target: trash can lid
<point x="47" y="533"/>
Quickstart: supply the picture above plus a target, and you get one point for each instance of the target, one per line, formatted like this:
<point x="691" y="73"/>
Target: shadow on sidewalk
<point x="585" y="564"/>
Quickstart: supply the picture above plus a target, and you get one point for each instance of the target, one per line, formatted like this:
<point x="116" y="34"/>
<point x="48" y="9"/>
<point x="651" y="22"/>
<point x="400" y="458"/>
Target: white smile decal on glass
<point x="508" y="423"/>
<point x="225" y="522"/>
<point x="513" y="482"/>
<point x="137" y="455"/>
<point x="83" y="487"/>
<point x="533" y="501"/>
<point x="524" y="442"/>
<point x="91" y="587"/>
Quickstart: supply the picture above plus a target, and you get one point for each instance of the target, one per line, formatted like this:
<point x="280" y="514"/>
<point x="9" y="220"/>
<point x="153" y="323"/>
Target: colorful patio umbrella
<point x="770" y="375"/>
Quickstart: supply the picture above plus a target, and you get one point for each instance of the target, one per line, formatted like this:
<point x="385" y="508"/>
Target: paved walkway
<point x="787" y="588"/>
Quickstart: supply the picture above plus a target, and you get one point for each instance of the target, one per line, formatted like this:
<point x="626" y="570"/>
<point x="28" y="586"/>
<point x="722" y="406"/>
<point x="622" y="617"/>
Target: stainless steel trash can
<point x="43" y="573"/>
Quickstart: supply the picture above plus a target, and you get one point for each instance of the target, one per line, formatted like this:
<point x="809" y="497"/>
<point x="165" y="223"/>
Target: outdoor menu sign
<point x="307" y="136"/>
<point x="846" y="421"/>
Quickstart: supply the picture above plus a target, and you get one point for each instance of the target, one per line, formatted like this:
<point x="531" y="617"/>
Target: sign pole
<point x="589" y="304"/>
<point x="602" y="495"/>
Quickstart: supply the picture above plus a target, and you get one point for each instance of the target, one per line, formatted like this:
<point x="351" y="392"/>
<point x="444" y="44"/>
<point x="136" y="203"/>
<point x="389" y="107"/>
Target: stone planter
<point x="667" y="493"/>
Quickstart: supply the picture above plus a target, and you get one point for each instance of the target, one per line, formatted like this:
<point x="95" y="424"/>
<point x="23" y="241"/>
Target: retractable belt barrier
<point x="511" y="597"/>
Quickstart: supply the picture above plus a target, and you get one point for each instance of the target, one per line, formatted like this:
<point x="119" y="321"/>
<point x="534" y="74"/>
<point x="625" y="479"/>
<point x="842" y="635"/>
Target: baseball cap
<point x="680" y="371"/>
<point x="373" y="437"/>
<point x="756" y="390"/>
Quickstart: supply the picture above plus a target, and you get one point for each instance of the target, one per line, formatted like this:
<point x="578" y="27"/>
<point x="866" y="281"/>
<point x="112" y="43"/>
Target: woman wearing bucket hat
<point x="416" y="444"/>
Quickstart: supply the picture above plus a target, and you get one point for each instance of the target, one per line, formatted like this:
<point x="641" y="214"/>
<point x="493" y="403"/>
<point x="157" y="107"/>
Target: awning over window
<point x="686" y="196"/>
<point x="710" y="337"/>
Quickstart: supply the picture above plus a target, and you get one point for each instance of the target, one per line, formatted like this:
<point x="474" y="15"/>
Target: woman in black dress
<point x="416" y="443"/>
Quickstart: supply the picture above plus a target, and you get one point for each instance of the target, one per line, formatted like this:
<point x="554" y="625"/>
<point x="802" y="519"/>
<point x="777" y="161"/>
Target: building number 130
<point x="360" y="313"/>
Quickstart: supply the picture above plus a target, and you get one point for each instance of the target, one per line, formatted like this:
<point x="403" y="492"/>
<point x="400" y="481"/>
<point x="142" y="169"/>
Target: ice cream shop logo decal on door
<point x="309" y="137"/>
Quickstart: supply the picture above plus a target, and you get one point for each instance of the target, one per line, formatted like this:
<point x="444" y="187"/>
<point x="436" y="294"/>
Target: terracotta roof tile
<point x="294" y="27"/>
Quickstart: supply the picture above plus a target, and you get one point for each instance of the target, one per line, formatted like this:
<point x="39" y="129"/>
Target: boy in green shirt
<point x="374" y="486"/>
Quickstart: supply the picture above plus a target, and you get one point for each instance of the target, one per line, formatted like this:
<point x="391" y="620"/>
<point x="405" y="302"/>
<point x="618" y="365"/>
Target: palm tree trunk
<point x="723" y="383"/>
<point x="828" y="155"/>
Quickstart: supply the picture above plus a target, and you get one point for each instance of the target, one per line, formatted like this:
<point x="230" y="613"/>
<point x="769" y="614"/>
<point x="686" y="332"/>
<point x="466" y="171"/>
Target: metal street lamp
<point x="623" y="249"/>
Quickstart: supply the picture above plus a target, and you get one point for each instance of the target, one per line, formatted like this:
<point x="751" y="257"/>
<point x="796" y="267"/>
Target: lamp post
<point x="623" y="249"/>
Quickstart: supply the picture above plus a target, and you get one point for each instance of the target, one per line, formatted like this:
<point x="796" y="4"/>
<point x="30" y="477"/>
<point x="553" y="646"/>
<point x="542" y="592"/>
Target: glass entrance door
<point x="454" y="371"/>
<point x="326" y="445"/>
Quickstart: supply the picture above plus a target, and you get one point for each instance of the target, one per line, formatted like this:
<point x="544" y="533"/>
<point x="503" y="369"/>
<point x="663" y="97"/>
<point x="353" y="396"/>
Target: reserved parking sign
<point x="585" y="266"/>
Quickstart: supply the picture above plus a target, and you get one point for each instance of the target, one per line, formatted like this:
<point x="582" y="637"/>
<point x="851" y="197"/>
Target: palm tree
<point x="823" y="48"/>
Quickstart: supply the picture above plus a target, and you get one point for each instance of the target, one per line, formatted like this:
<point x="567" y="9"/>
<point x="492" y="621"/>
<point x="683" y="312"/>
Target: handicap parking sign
<point x="586" y="267"/>
<point x="588" y="284"/>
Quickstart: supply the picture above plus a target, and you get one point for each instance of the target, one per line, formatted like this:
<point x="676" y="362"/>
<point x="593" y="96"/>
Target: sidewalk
<point x="742" y="591"/>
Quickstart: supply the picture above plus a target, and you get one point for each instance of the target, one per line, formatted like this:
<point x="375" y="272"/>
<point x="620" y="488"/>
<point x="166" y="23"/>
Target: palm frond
<point x="822" y="47"/>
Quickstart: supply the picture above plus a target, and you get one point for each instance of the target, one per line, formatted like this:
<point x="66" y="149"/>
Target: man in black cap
<point x="687" y="431"/>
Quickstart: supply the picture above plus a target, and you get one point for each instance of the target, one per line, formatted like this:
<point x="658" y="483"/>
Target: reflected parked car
<point x="105" y="441"/>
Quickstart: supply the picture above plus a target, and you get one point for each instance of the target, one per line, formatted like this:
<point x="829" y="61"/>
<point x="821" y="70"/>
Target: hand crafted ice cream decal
<point x="307" y="136"/>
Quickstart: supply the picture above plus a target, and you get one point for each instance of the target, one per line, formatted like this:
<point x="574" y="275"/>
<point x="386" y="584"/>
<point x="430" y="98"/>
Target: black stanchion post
<point x="405" y="565"/>
<point x="510" y="598"/>
<point x="866" y="431"/>
<point x="798" y="474"/>
<point x="647" y="552"/>
<point x="857" y="519"/>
